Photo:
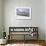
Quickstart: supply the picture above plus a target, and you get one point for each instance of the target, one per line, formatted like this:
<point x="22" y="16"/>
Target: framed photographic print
<point x="23" y="13"/>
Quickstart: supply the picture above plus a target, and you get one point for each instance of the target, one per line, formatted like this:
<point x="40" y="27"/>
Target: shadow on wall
<point x="1" y="34"/>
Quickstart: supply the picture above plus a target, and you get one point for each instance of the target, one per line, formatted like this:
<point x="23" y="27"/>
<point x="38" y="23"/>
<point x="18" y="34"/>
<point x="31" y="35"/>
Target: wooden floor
<point x="40" y="42"/>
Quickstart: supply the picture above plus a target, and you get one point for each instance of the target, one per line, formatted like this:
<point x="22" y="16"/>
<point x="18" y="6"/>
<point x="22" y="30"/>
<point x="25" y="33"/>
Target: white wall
<point x="45" y="19"/>
<point x="0" y="17"/>
<point x="0" y="13"/>
<point x="37" y="15"/>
